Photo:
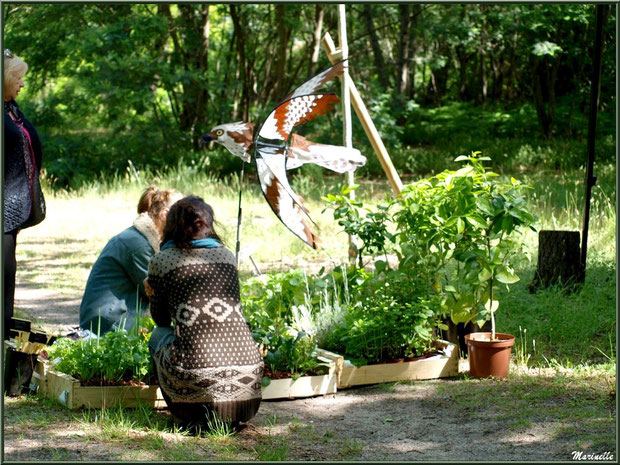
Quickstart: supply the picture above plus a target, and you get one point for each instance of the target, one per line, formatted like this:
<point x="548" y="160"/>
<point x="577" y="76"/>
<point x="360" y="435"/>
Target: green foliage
<point x="455" y="240"/>
<point x="268" y="303"/>
<point x="117" y="355"/>
<point x="369" y="226"/>
<point x="464" y="224"/>
<point x="347" y="310"/>
<point x="118" y="82"/>
<point x="380" y="326"/>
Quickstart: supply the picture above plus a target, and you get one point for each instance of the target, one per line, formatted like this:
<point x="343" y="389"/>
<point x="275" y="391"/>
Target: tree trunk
<point x="461" y="65"/>
<point x="243" y="65"/>
<point x="403" y="43"/>
<point x="483" y="76"/>
<point x="316" y="40"/>
<point x="544" y="93"/>
<point x="281" y="58"/>
<point x="558" y="260"/>
<point x="376" y="48"/>
<point x="411" y="50"/>
<point x="539" y="101"/>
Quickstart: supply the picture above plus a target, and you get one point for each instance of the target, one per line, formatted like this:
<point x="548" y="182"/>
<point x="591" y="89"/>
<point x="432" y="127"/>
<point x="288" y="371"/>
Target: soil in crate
<point x="287" y="374"/>
<point x="407" y="359"/>
<point x="124" y="381"/>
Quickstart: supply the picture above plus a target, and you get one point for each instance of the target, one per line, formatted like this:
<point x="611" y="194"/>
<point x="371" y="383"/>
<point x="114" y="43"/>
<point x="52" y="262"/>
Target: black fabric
<point x="18" y="369"/>
<point x="201" y="414"/>
<point x="20" y="211"/>
<point x="10" y="268"/>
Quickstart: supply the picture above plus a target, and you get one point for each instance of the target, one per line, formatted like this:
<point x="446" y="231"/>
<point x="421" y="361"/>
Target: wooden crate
<point x="438" y="366"/>
<point x="306" y="386"/>
<point x="70" y="393"/>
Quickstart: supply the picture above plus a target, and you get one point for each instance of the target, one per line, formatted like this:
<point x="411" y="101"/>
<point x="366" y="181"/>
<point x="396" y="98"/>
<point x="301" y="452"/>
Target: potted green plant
<point x="488" y="218"/>
<point x="463" y="226"/>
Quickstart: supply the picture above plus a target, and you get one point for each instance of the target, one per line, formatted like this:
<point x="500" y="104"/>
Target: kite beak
<point x="206" y="138"/>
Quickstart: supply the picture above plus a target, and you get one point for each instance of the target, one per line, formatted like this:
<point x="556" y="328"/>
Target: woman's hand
<point x="147" y="288"/>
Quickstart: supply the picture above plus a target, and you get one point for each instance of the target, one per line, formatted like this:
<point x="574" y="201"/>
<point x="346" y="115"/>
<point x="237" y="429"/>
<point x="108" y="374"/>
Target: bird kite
<point x="276" y="149"/>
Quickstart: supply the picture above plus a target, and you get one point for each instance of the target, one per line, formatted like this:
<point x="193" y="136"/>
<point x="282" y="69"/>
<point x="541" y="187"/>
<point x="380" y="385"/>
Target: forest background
<point x="114" y="88"/>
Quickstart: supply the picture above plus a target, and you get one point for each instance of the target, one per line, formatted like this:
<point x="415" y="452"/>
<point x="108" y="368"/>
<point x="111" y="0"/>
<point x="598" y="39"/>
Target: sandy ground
<point x="402" y="422"/>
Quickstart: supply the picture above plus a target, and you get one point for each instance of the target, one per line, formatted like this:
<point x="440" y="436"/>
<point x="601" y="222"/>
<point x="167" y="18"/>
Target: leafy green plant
<point x="381" y="328"/>
<point x="455" y="238"/>
<point x="370" y="227"/>
<point x="348" y="310"/>
<point x="268" y="302"/>
<point x="466" y="224"/>
<point x="395" y="310"/>
<point x="116" y="356"/>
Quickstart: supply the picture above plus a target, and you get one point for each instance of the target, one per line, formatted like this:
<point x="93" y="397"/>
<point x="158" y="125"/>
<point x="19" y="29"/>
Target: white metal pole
<point x="347" y="132"/>
<point x="346" y="95"/>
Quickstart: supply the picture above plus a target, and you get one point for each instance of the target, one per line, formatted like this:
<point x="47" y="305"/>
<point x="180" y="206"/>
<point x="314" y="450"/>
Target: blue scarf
<point x="206" y="243"/>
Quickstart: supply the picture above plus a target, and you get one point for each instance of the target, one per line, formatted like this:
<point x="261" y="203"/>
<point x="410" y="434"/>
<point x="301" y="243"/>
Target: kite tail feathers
<point x="312" y="239"/>
<point x="332" y="157"/>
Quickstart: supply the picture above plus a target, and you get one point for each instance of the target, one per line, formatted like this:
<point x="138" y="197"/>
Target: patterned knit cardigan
<point x="214" y="359"/>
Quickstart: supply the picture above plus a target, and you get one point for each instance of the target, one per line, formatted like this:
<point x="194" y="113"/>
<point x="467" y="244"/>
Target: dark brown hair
<point x="189" y="218"/>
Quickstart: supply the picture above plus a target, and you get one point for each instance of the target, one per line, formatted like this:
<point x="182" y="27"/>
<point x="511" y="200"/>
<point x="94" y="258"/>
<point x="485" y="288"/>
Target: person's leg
<point x="160" y="337"/>
<point x="10" y="269"/>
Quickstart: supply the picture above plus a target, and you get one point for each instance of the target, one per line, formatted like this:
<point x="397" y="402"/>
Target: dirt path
<point x="408" y="423"/>
<point x="413" y="422"/>
<point x="420" y="421"/>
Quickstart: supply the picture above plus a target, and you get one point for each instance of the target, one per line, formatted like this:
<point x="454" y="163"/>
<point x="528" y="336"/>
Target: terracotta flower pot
<point x="489" y="358"/>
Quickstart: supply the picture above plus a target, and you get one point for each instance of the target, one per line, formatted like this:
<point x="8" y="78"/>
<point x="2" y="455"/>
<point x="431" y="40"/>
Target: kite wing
<point x="303" y="105"/>
<point x="270" y="155"/>
<point x="287" y="206"/>
<point x="315" y="83"/>
<point x="294" y="112"/>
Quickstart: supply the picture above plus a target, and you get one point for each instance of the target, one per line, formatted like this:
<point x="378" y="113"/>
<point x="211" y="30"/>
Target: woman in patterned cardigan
<point x="206" y="359"/>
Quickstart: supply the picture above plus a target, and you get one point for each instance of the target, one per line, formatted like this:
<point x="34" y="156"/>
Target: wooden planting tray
<point x="306" y="386"/>
<point x="72" y="394"/>
<point x="438" y="366"/>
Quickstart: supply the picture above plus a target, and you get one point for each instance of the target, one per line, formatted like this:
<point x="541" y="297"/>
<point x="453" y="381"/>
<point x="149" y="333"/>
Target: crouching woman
<point x="206" y="359"/>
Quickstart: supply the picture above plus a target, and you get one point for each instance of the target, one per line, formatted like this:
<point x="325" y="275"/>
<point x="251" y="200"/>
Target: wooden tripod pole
<point x="362" y="113"/>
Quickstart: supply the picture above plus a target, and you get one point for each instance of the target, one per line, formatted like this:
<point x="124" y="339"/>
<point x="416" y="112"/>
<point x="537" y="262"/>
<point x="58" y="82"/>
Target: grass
<point x="568" y="403"/>
<point x="574" y="406"/>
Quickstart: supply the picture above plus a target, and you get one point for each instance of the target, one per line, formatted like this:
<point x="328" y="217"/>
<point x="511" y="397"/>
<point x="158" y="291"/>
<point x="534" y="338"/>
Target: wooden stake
<point x="362" y="113"/>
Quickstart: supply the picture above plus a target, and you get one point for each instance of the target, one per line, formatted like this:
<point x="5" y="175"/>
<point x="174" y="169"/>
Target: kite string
<point x="238" y="245"/>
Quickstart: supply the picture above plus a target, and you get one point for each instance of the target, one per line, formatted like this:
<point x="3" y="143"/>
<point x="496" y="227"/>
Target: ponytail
<point x="153" y="200"/>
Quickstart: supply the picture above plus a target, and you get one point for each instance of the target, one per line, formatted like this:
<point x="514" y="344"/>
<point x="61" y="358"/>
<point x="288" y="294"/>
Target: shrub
<point x="454" y="237"/>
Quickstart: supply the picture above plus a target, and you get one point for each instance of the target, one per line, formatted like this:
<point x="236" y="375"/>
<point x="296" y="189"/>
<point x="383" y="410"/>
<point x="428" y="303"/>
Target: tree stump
<point x="558" y="261"/>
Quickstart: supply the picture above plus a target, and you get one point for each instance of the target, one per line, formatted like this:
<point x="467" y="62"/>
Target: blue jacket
<point x="115" y="289"/>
